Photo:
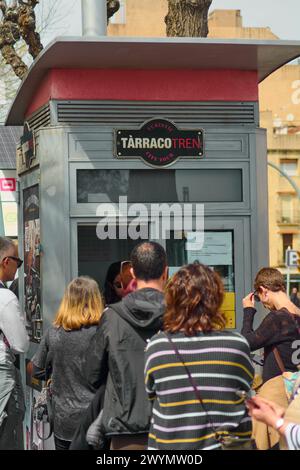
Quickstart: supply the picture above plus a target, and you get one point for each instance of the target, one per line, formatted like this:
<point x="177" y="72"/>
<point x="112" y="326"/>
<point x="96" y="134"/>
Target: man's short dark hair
<point x="148" y="260"/>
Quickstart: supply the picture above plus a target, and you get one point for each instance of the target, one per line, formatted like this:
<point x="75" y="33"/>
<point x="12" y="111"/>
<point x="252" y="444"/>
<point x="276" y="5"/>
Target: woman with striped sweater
<point x="195" y="371"/>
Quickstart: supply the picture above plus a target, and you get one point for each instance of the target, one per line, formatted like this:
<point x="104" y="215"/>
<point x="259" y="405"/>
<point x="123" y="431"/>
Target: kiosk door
<point x="221" y="247"/>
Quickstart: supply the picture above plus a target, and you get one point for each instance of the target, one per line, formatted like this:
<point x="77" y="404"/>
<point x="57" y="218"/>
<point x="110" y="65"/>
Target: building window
<point x="286" y="209"/>
<point x="289" y="166"/>
<point x="120" y="16"/>
<point x="287" y="242"/>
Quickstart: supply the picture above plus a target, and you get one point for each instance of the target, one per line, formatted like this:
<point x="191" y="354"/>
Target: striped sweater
<point x="220" y="364"/>
<point x="292" y="435"/>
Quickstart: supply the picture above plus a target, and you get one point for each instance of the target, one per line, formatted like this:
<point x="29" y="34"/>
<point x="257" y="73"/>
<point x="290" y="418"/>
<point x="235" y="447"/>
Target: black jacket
<point x="116" y="355"/>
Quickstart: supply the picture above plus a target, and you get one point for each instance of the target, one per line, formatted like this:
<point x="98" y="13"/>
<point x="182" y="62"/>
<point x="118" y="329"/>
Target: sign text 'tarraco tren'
<point x="159" y="143"/>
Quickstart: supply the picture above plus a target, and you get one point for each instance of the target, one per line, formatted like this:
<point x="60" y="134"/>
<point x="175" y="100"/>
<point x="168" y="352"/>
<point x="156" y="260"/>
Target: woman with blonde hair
<point x="62" y="351"/>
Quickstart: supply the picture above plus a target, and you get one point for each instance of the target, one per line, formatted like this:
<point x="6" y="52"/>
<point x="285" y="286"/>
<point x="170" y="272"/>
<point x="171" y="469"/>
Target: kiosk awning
<point x="154" y="53"/>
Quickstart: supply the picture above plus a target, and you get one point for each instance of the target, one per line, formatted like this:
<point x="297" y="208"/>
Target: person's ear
<point x="166" y="273"/>
<point x="132" y="273"/>
<point x="264" y="291"/>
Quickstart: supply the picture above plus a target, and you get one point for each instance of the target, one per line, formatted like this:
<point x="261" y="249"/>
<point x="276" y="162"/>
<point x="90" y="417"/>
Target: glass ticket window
<point x="100" y="185"/>
<point x="213" y="248"/>
<point x="95" y="256"/>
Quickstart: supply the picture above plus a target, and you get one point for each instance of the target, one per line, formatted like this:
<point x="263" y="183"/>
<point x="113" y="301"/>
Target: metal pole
<point x="288" y="280"/>
<point x="94" y="17"/>
<point x="285" y="175"/>
<point x="296" y="188"/>
<point x="2" y="228"/>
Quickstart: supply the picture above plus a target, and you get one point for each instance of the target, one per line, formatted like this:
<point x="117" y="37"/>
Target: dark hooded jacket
<point x="116" y="356"/>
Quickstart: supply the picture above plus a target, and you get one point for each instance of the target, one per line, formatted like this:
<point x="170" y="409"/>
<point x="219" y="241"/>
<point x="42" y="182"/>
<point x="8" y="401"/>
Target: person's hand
<point x="248" y="301"/>
<point x="279" y="410"/>
<point x="264" y="411"/>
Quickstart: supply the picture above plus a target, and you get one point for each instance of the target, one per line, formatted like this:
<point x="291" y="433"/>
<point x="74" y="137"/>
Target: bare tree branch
<point x="18" y="23"/>
<point x="27" y="27"/>
<point x="3" y="6"/>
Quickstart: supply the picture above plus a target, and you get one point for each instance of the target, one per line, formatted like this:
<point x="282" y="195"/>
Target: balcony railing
<point x="292" y="218"/>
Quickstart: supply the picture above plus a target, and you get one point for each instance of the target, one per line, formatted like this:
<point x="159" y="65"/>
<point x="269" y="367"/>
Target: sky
<point x="282" y="16"/>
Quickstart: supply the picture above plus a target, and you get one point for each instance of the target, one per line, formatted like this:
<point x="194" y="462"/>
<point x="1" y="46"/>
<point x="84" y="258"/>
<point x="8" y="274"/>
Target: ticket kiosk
<point x="165" y="131"/>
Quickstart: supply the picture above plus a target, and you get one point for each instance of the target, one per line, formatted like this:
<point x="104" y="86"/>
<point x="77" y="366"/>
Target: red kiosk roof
<point x="223" y="69"/>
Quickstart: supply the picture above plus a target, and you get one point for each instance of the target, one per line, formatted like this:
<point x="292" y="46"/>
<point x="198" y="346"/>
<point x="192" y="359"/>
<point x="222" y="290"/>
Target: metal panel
<point x="89" y="209"/>
<point x="97" y="144"/>
<point x="259" y="208"/>
<point x="54" y="218"/>
<point x="182" y="113"/>
<point x="41" y="118"/>
<point x="9" y="137"/>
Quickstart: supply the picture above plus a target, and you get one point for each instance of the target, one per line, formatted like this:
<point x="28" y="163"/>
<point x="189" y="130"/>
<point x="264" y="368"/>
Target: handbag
<point x="42" y="410"/>
<point x="291" y="379"/>
<point x="228" y="441"/>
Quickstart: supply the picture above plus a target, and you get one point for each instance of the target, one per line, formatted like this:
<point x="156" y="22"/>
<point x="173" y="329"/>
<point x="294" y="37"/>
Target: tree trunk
<point x="187" y="18"/>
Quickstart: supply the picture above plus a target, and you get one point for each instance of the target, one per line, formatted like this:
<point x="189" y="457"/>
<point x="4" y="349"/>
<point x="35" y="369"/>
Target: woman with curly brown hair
<point x="194" y="368"/>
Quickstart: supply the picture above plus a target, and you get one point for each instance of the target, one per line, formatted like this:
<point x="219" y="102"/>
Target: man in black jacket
<point x="116" y="354"/>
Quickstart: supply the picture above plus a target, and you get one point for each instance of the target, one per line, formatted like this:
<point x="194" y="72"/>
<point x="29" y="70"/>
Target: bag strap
<point x="278" y="360"/>
<point x="194" y="385"/>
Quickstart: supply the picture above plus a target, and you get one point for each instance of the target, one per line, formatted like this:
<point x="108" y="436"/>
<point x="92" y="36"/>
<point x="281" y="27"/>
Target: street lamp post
<point x="94" y="17"/>
<point x="285" y="175"/>
<point x="297" y="189"/>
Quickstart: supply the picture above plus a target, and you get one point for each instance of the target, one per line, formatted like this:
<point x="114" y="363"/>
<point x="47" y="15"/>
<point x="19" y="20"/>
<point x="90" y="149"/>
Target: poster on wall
<point x="32" y="290"/>
<point x="8" y="198"/>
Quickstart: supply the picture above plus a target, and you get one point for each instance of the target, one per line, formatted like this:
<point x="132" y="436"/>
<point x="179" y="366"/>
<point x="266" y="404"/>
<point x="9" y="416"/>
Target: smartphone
<point x="245" y="395"/>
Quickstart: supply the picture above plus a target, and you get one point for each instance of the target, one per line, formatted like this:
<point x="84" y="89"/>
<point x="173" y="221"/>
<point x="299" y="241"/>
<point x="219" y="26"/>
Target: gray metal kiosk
<point x="79" y="97"/>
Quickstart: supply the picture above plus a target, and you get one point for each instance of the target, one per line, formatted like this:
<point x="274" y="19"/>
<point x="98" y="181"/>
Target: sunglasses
<point x="117" y="285"/>
<point x="17" y="260"/>
<point x="125" y="274"/>
<point x="255" y="295"/>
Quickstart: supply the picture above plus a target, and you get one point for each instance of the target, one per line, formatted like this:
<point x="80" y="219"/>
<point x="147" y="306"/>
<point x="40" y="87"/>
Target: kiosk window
<point x="95" y="256"/>
<point x="213" y="248"/>
<point x="197" y="185"/>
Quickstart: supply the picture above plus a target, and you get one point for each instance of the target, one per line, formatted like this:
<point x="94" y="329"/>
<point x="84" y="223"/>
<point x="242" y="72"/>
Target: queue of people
<point x="151" y="365"/>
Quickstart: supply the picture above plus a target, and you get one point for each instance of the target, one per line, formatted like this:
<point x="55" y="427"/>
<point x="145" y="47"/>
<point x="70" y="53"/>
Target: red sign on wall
<point x="8" y="184"/>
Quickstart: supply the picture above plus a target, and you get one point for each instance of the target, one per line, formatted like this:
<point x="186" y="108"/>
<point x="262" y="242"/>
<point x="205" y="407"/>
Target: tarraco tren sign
<point x="159" y="143"/>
